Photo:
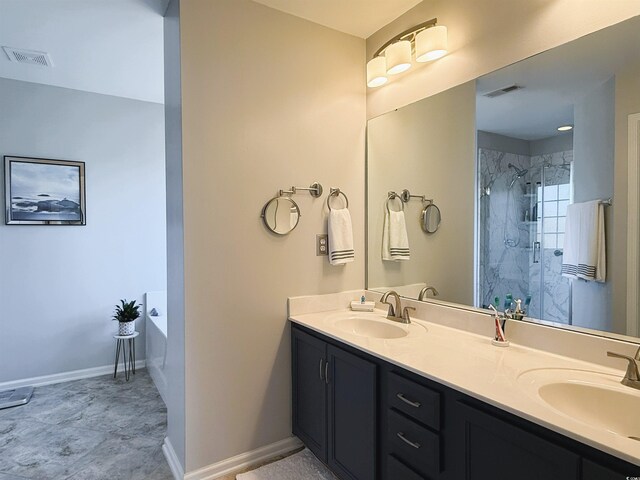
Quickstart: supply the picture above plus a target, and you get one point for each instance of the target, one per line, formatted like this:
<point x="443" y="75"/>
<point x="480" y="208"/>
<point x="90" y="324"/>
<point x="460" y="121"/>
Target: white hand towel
<point x="395" y="241"/>
<point x="340" y="237"/>
<point x="584" y="242"/>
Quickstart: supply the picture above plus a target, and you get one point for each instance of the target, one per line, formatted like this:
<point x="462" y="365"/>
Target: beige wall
<point x="485" y="36"/>
<point x="269" y="101"/>
<point x="427" y="147"/>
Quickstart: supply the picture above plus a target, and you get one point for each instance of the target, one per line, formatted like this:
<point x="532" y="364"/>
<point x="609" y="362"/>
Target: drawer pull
<point x="326" y="373"/>
<point x="407" y="441"/>
<point x="321" y="379"/>
<point x="407" y="401"/>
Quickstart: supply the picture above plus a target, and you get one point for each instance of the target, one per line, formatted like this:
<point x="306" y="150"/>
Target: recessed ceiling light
<point x="565" y="128"/>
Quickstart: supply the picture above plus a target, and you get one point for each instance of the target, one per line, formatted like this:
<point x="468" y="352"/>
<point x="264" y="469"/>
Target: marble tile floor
<point x="91" y="429"/>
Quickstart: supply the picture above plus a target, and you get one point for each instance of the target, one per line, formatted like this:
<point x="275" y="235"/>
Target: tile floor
<point x="93" y="429"/>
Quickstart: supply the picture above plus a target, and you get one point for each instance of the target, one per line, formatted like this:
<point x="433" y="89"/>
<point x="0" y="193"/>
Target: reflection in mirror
<point x="281" y="215"/>
<point x="427" y="147"/>
<point x="430" y="218"/>
<point x="525" y="183"/>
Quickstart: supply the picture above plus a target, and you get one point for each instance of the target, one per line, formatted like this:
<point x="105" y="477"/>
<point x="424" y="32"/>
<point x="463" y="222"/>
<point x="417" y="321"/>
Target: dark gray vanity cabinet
<point x="335" y="406"/>
<point x="309" y="392"/>
<point x="497" y="450"/>
<point x="370" y="420"/>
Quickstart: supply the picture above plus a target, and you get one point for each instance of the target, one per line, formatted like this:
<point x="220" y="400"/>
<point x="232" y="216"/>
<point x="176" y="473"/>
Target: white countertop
<point x="469" y="363"/>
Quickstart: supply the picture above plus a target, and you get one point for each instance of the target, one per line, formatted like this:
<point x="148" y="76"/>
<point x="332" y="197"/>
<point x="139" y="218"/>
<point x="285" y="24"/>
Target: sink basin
<point x="594" y="398"/>
<point x="374" y="325"/>
<point x="371" y="328"/>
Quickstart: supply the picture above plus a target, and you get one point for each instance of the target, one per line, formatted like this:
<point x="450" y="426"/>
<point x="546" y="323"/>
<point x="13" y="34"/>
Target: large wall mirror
<point x="531" y="170"/>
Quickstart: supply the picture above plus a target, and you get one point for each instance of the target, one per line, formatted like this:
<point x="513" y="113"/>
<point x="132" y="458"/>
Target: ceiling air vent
<point x="30" y="57"/>
<point x="503" y="91"/>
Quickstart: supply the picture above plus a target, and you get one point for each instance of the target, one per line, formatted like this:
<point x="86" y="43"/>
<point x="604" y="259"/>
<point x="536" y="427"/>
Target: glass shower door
<point x="554" y="194"/>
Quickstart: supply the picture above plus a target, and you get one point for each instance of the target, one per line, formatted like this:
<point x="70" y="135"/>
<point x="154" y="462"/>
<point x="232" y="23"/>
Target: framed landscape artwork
<point x="44" y="192"/>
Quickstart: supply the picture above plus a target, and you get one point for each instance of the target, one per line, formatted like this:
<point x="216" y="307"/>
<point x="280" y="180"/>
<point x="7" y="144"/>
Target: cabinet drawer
<point x="415" y="400"/>
<point x="396" y="470"/>
<point x="414" y="444"/>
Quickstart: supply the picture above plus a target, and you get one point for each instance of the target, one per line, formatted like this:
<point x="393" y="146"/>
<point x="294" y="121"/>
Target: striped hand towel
<point x="395" y="241"/>
<point x="340" y="237"/>
<point x="584" y="244"/>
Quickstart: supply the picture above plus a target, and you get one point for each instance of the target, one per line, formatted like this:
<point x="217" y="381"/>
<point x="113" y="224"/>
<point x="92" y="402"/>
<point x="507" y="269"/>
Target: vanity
<point x="376" y="399"/>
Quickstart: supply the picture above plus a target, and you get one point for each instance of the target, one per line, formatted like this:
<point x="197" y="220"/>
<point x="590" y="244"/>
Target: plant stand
<point x="128" y="359"/>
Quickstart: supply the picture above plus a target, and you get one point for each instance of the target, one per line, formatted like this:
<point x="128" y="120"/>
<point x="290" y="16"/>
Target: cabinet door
<point x="594" y="471"/>
<point x="496" y="450"/>
<point x="352" y="416"/>
<point x="309" y="392"/>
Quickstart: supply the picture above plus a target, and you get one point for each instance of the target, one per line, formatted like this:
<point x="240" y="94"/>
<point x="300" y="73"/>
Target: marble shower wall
<point x="504" y="265"/>
<point x="509" y="226"/>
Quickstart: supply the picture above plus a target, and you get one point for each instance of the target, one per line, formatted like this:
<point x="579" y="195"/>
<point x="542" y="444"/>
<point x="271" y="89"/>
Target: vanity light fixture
<point x="398" y="57"/>
<point x="377" y="72"/>
<point x="565" y="128"/>
<point x="427" y="41"/>
<point x="431" y="43"/>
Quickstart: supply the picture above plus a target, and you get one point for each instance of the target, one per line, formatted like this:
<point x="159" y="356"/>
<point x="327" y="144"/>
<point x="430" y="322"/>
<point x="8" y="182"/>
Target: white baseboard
<point x="233" y="464"/>
<point x="172" y="459"/>
<point x="64" y="376"/>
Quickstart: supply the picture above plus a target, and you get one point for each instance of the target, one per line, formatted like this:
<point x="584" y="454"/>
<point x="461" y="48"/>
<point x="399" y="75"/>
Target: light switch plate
<point x="322" y="244"/>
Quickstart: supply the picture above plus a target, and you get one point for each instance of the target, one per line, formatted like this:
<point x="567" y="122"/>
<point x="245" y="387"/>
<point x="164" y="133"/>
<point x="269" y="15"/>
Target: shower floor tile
<point x="96" y="428"/>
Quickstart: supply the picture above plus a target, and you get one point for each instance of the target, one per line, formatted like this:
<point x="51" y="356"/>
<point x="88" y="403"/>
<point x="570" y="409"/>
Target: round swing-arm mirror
<point x="281" y="215"/>
<point x="430" y="219"/>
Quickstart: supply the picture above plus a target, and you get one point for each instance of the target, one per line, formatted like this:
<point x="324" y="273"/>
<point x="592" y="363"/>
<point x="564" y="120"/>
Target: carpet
<point x="299" y="466"/>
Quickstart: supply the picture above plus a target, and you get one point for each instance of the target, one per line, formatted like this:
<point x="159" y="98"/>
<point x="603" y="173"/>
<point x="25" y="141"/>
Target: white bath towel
<point x="584" y="244"/>
<point x="395" y="241"/>
<point x="340" y="237"/>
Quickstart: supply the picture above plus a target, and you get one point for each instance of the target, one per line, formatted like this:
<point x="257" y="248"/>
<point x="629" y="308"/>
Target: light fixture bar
<point x="407" y="34"/>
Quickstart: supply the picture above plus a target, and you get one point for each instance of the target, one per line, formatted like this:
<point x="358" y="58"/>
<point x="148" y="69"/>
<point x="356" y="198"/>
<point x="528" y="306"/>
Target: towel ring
<point x="335" y="192"/>
<point x="392" y="196"/>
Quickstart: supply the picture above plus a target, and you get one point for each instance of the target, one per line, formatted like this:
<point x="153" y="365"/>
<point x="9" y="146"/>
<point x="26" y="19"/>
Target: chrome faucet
<point x="425" y="290"/>
<point x="394" y="313"/>
<point x="632" y="376"/>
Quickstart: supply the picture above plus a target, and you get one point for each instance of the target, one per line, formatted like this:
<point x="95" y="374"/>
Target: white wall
<point x="59" y="284"/>
<point x="487" y="35"/>
<point x="593" y="173"/>
<point x="268" y="101"/>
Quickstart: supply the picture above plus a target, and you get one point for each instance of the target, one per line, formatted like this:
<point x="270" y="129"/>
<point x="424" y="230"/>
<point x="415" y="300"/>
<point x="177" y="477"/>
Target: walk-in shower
<point x="522" y="205"/>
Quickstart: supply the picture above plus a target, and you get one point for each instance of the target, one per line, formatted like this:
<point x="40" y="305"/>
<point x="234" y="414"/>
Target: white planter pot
<point x="126" y="328"/>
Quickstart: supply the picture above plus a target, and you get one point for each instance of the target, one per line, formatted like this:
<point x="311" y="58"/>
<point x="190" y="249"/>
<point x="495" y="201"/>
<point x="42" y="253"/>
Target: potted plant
<point x="126" y="314"/>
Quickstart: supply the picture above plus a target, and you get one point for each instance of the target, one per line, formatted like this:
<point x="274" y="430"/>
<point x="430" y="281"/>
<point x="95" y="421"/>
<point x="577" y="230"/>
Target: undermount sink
<point x="373" y="325"/>
<point x="594" y="398"/>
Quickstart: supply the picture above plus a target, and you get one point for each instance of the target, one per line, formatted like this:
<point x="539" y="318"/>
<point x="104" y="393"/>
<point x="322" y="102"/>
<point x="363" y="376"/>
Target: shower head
<point x="520" y="172"/>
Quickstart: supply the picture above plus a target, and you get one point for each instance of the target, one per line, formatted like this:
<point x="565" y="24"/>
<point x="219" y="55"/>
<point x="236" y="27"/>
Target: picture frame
<point x="40" y="191"/>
